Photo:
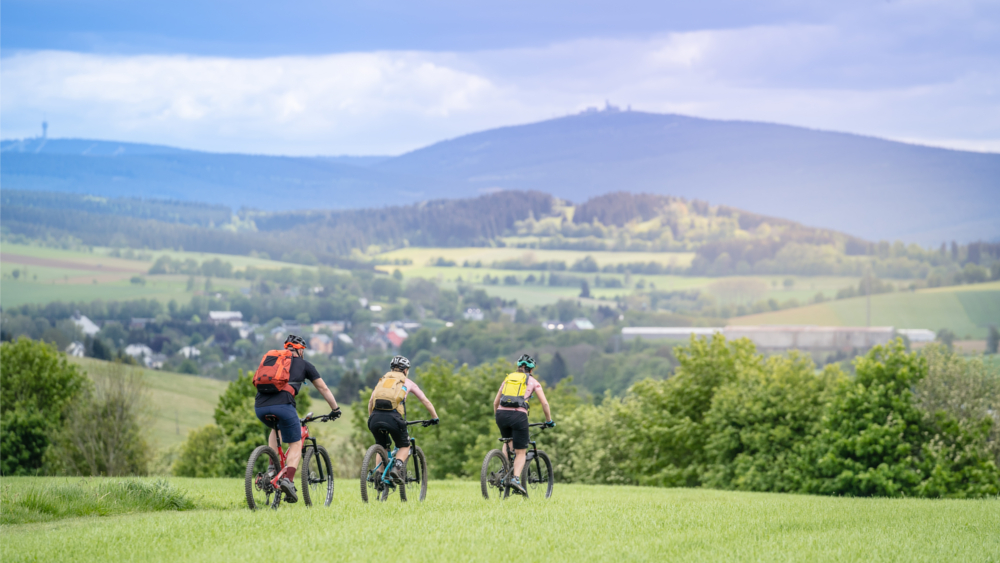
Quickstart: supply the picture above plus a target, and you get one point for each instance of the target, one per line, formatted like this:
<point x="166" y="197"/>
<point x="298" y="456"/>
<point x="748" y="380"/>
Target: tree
<point x="584" y="289"/>
<point x="762" y="420"/>
<point x="667" y="444"/>
<point x="201" y="454"/>
<point x="103" y="434"/>
<point x="946" y="337"/>
<point x="992" y="340"/>
<point x="235" y="416"/>
<point x="556" y="371"/>
<point x="39" y="386"/>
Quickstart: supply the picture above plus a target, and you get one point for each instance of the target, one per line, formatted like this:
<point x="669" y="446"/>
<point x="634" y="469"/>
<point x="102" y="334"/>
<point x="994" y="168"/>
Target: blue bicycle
<point x="375" y="480"/>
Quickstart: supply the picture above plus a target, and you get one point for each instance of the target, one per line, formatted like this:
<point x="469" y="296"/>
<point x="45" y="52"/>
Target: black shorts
<point x="514" y="424"/>
<point x="386" y="424"/>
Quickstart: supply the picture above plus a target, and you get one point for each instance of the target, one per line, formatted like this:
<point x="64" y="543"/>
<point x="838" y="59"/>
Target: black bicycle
<point x="375" y="480"/>
<point x="265" y="464"/>
<point x="498" y="469"/>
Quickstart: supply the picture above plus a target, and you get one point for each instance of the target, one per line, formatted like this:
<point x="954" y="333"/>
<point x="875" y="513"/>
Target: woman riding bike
<point x="387" y="412"/>
<point x="510" y="408"/>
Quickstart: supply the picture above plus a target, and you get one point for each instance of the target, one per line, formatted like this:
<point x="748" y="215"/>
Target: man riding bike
<point x="510" y="408"/>
<point x="281" y="404"/>
<point x="387" y="412"/>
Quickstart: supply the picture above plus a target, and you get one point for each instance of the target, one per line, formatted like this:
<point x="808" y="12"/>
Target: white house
<point x="138" y="350"/>
<point x="75" y="349"/>
<point x="232" y="318"/>
<point x="189" y="352"/>
<point x="86" y="325"/>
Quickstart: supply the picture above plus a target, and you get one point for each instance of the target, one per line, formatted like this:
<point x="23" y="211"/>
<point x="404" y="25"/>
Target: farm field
<point x="579" y="523"/>
<point x="178" y="403"/>
<point x="52" y="274"/>
<point x="967" y="310"/>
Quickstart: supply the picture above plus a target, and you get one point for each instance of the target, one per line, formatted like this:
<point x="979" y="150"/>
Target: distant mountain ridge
<point x="873" y="188"/>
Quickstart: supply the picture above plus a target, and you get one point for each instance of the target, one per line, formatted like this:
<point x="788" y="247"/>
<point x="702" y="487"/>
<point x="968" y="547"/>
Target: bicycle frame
<point x="386" y="481"/>
<point x="305" y="437"/>
<point x="530" y="455"/>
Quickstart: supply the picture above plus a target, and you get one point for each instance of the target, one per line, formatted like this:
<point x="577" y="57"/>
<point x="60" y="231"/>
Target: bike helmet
<point x="399" y="363"/>
<point x="526" y="362"/>
<point x="295" y="342"/>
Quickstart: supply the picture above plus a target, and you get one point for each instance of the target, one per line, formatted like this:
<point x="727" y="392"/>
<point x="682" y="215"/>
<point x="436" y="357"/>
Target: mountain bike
<point x="265" y="465"/>
<point x="375" y="480"/>
<point x="498" y="469"/>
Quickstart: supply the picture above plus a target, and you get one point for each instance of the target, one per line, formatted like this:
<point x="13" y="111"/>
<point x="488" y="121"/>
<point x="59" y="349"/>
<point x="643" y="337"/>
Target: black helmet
<point x="526" y="362"/>
<point x="399" y="363"/>
<point x="295" y="342"/>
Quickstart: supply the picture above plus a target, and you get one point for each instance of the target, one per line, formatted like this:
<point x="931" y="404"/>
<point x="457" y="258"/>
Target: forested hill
<point x="870" y="187"/>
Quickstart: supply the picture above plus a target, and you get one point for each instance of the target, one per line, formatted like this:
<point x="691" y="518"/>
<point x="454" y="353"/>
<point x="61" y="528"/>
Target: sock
<point x="290" y="473"/>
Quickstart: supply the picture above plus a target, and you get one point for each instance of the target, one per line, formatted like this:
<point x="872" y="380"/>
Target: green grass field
<point x="52" y="274"/>
<point x="579" y="523"/>
<point x="487" y="255"/>
<point x="967" y="310"/>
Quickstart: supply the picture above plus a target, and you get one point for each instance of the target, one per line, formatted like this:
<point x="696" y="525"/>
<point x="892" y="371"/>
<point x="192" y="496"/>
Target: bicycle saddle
<point x="506" y="439"/>
<point x="271" y="421"/>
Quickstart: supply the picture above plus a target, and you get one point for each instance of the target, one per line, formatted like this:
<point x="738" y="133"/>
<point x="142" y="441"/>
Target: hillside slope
<point x="834" y="180"/>
<point x="967" y="310"/>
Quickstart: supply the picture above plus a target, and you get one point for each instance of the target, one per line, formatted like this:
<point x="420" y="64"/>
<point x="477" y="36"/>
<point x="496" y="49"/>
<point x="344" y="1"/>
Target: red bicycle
<point x="265" y="465"/>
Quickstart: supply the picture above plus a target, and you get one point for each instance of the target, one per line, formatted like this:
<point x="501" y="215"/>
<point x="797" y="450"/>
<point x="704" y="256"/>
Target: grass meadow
<point x="966" y="309"/>
<point x="53" y="274"/>
<point x="579" y="523"/>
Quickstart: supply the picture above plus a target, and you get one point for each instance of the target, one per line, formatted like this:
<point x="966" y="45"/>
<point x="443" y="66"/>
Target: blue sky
<point x="384" y="77"/>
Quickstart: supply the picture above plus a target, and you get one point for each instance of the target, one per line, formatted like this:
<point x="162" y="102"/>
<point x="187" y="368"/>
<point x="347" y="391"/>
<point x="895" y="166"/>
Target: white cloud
<point x="827" y="76"/>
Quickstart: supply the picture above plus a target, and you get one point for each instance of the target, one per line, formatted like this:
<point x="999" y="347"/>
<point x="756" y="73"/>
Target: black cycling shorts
<point x="514" y="424"/>
<point x="386" y="424"/>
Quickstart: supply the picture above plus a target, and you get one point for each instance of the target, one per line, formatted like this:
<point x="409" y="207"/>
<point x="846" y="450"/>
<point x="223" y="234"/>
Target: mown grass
<point x="579" y="523"/>
<point x="27" y="500"/>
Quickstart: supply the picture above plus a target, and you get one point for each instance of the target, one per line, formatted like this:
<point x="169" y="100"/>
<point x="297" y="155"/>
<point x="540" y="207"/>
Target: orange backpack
<point x="272" y="375"/>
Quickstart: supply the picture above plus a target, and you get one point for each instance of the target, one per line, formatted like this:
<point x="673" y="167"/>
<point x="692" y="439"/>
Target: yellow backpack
<point x="512" y="392"/>
<point x="390" y="391"/>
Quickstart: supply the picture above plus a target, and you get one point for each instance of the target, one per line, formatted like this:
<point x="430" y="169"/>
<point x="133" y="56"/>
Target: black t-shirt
<point x="299" y="371"/>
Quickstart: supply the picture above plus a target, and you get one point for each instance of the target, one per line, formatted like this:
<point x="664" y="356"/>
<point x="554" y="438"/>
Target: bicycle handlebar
<point x="412" y="422"/>
<point x="538" y="425"/>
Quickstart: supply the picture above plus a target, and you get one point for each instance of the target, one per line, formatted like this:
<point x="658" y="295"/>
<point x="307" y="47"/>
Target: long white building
<point x="776" y="338"/>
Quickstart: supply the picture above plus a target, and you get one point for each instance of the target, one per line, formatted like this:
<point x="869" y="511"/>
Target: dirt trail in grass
<point x="67" y="264"/>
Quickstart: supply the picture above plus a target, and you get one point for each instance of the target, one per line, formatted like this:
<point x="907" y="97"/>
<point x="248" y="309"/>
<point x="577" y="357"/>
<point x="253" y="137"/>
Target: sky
<point x="387" y="76"/>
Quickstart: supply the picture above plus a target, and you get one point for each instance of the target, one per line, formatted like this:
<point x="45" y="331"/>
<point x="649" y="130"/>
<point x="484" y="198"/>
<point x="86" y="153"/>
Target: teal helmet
<point x="526" y="361"/>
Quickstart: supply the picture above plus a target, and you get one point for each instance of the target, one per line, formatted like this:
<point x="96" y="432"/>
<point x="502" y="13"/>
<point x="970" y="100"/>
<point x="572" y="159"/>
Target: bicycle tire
<point x="420" y="466"/>
<point x="531" y="478"/>
<point x="489" y="478"/>
<point x="376" y="456"/>
<point x="254" y="467"/>
<point x="311" y="483"/>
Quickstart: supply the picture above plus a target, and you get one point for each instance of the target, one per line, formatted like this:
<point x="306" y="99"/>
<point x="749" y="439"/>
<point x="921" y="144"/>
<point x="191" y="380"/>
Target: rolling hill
<point x="834" y="180"/>
<point x="967" y="310"/>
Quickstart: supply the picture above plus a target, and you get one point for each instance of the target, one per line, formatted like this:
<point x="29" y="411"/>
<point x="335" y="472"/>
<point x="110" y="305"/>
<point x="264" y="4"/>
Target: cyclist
<point x="282" y="405"/>
<point x="513" y="420"/>
<point x="387" y="412"/>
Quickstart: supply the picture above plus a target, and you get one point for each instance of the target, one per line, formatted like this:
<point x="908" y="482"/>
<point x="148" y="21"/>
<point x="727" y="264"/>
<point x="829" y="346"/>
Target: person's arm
<point x="312" y="374"/>
<point x="371" y="403"/>
<point x="326" y="393"/>
<point x="496" y="400"/>
<point x="415" y="389"/>
<point x="545" y="403"/>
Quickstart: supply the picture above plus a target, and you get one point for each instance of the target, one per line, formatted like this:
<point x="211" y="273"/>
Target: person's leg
<point x="519" y="456"/>
<point x="294" y="454"/>
<point x="272" y="440"/>
<point x="403" y="453"/>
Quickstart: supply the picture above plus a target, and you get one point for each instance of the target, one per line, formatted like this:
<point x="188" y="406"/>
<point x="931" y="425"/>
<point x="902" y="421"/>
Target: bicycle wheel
<point x="317" y="476"/>
<point x="371" y="473"/>
<point x="493" y="475"/>
<point x="538" y="473"/>
<point x="258" y="480"/>
<point x="416" y="472"/>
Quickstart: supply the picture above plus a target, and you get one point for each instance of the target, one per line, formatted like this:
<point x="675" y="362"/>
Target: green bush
<point x="38" y="387"/>
<point x="761" y="421"/>
<point x="201" y="453"/>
